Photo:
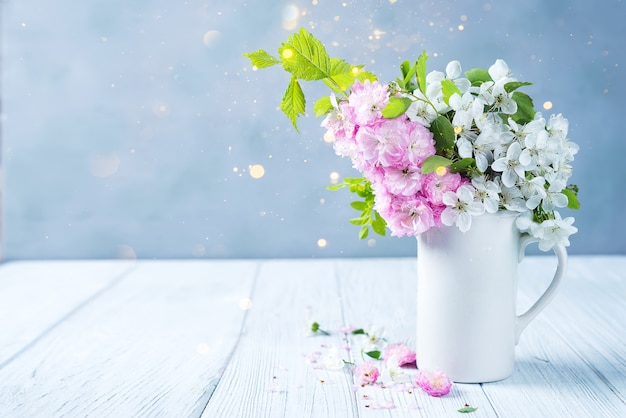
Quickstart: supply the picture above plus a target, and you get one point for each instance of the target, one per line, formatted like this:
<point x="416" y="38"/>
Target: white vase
<point x="467" y="324"/>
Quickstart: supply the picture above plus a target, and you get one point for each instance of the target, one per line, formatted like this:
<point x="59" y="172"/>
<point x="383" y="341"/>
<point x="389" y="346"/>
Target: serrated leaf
<point x="467" y="409"/>
<point x="293" y="104"/>
<point x="322" y="106"/>
<point x="397" y="106"/>
<point x="342" y="75"/>
<point x="448" y="88"/>
<point x="525" y="110"/>
<point x="477" y="76"/>
<point x="443" y="133"/>
<point x="433" y="162"/>
<point x="572" y="199"/>
<point x="511" y="86"/>
<point x="305" y="57"/>
<point x="375" y="354"/>
<point x="420" y="72"/>
<point x="262" y="59"/>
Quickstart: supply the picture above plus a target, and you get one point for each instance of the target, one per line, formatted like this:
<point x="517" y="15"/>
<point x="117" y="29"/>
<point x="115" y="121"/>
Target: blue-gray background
<point x="129" y="128"/>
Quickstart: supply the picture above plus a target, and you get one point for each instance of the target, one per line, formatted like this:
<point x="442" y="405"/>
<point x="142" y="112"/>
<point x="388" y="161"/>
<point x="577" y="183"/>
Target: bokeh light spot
<point x="104" y="165"/>
<point x="322" y="243"/>
<point x="257" y="171"/>
<point x="245" y="304"/>
<point x="290" y="16"/>
<point x="547" y="105"/>
<point x="211" y="37"/>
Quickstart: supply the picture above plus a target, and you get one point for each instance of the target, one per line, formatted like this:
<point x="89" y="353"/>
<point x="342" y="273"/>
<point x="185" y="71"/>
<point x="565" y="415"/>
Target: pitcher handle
<point x="524" y="319"/>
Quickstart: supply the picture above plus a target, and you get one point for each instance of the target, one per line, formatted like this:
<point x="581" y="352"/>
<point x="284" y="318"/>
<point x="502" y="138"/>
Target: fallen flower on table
<point x="315" y="329"/>
<point x="384" y="404"/>
<point x="434" y="383"/>
<point x="331" y="359"/>
<point x="396" y="373"/>
<point x="467" y="409"/>
<point x="366" y="373"/>
<point x="402" y="353"/>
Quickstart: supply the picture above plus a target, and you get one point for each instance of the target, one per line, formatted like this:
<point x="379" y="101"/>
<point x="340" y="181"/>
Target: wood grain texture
<point x="36" y="295"/>
<point x="154" y="345"/>
<point x="230" y="339"/>
<point x="269" y="375"/>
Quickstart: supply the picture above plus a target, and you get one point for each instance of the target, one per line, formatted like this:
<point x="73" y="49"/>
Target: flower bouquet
<point x="436" y="148"/>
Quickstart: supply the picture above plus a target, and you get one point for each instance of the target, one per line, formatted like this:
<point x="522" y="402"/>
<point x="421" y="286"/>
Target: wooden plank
<point x="154" y="345"/>
<point x="570" y="359"/>
<point x="382" y="293"/>
<point x="269" y="374"/>
<point x="35" y="296"/>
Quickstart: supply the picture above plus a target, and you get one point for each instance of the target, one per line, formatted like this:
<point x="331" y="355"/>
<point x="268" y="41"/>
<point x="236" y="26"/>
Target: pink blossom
<point x="420" y="144"/>
<point x="407" y="216"/>
<point x="402" y="353"/>
<point x="434" y="383"/>
<point x="366" y="373"/>
<point x="368" y="100"/>
<point x="405" y="182"/>
<point x="435" y="186"/>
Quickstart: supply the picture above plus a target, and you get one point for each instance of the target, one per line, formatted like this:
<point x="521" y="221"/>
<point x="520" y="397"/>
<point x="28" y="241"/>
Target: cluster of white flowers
<point x="519" y="167"/>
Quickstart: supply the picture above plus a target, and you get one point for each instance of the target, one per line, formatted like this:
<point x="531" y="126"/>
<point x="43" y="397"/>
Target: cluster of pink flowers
<point x="390" y="154"/>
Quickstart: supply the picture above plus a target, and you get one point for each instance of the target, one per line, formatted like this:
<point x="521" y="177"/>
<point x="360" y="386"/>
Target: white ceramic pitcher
<point x="467" y="324"/>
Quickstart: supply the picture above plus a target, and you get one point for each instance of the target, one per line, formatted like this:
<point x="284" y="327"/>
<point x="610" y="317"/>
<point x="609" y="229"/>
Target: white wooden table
<point x="229" y="339"/>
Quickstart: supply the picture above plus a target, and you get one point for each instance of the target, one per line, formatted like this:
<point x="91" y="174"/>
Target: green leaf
<point x="359" y="331"/>
<point x="433" y="162"/>
<point x="335" y="187"/>
<point x="478" y="76"/>
<point x="359" y="221"/>
<point x="514" y="85"/>
<point x="443" y="133"/>
<point x="354" y="180"/>
<point x="467" y="409"/>
<point x="305" y="57"/>
<point x="315" y="327"/>
<point x="525" y="110"/>
<point x="379" y="225"/>
<point x="462" y="165"/>
<point x="364" y="232"/>
<point x="341" y="75"/>
<point x="261" y="59"/>
<point x="448" y="88"/>
<point x="375" y="354"/>
<point x="322" y="106"/>
<point x="293" y="103"/>
<point x="572" y="199"/>
<point x="359" y="205"/>
<point x="420" y="72"/>
<point x="396" y="107"/>
<point x="408" y="72"/>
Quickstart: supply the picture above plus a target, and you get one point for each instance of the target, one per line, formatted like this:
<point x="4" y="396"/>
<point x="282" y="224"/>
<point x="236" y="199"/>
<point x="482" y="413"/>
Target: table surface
<point x="230" y="338"/>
